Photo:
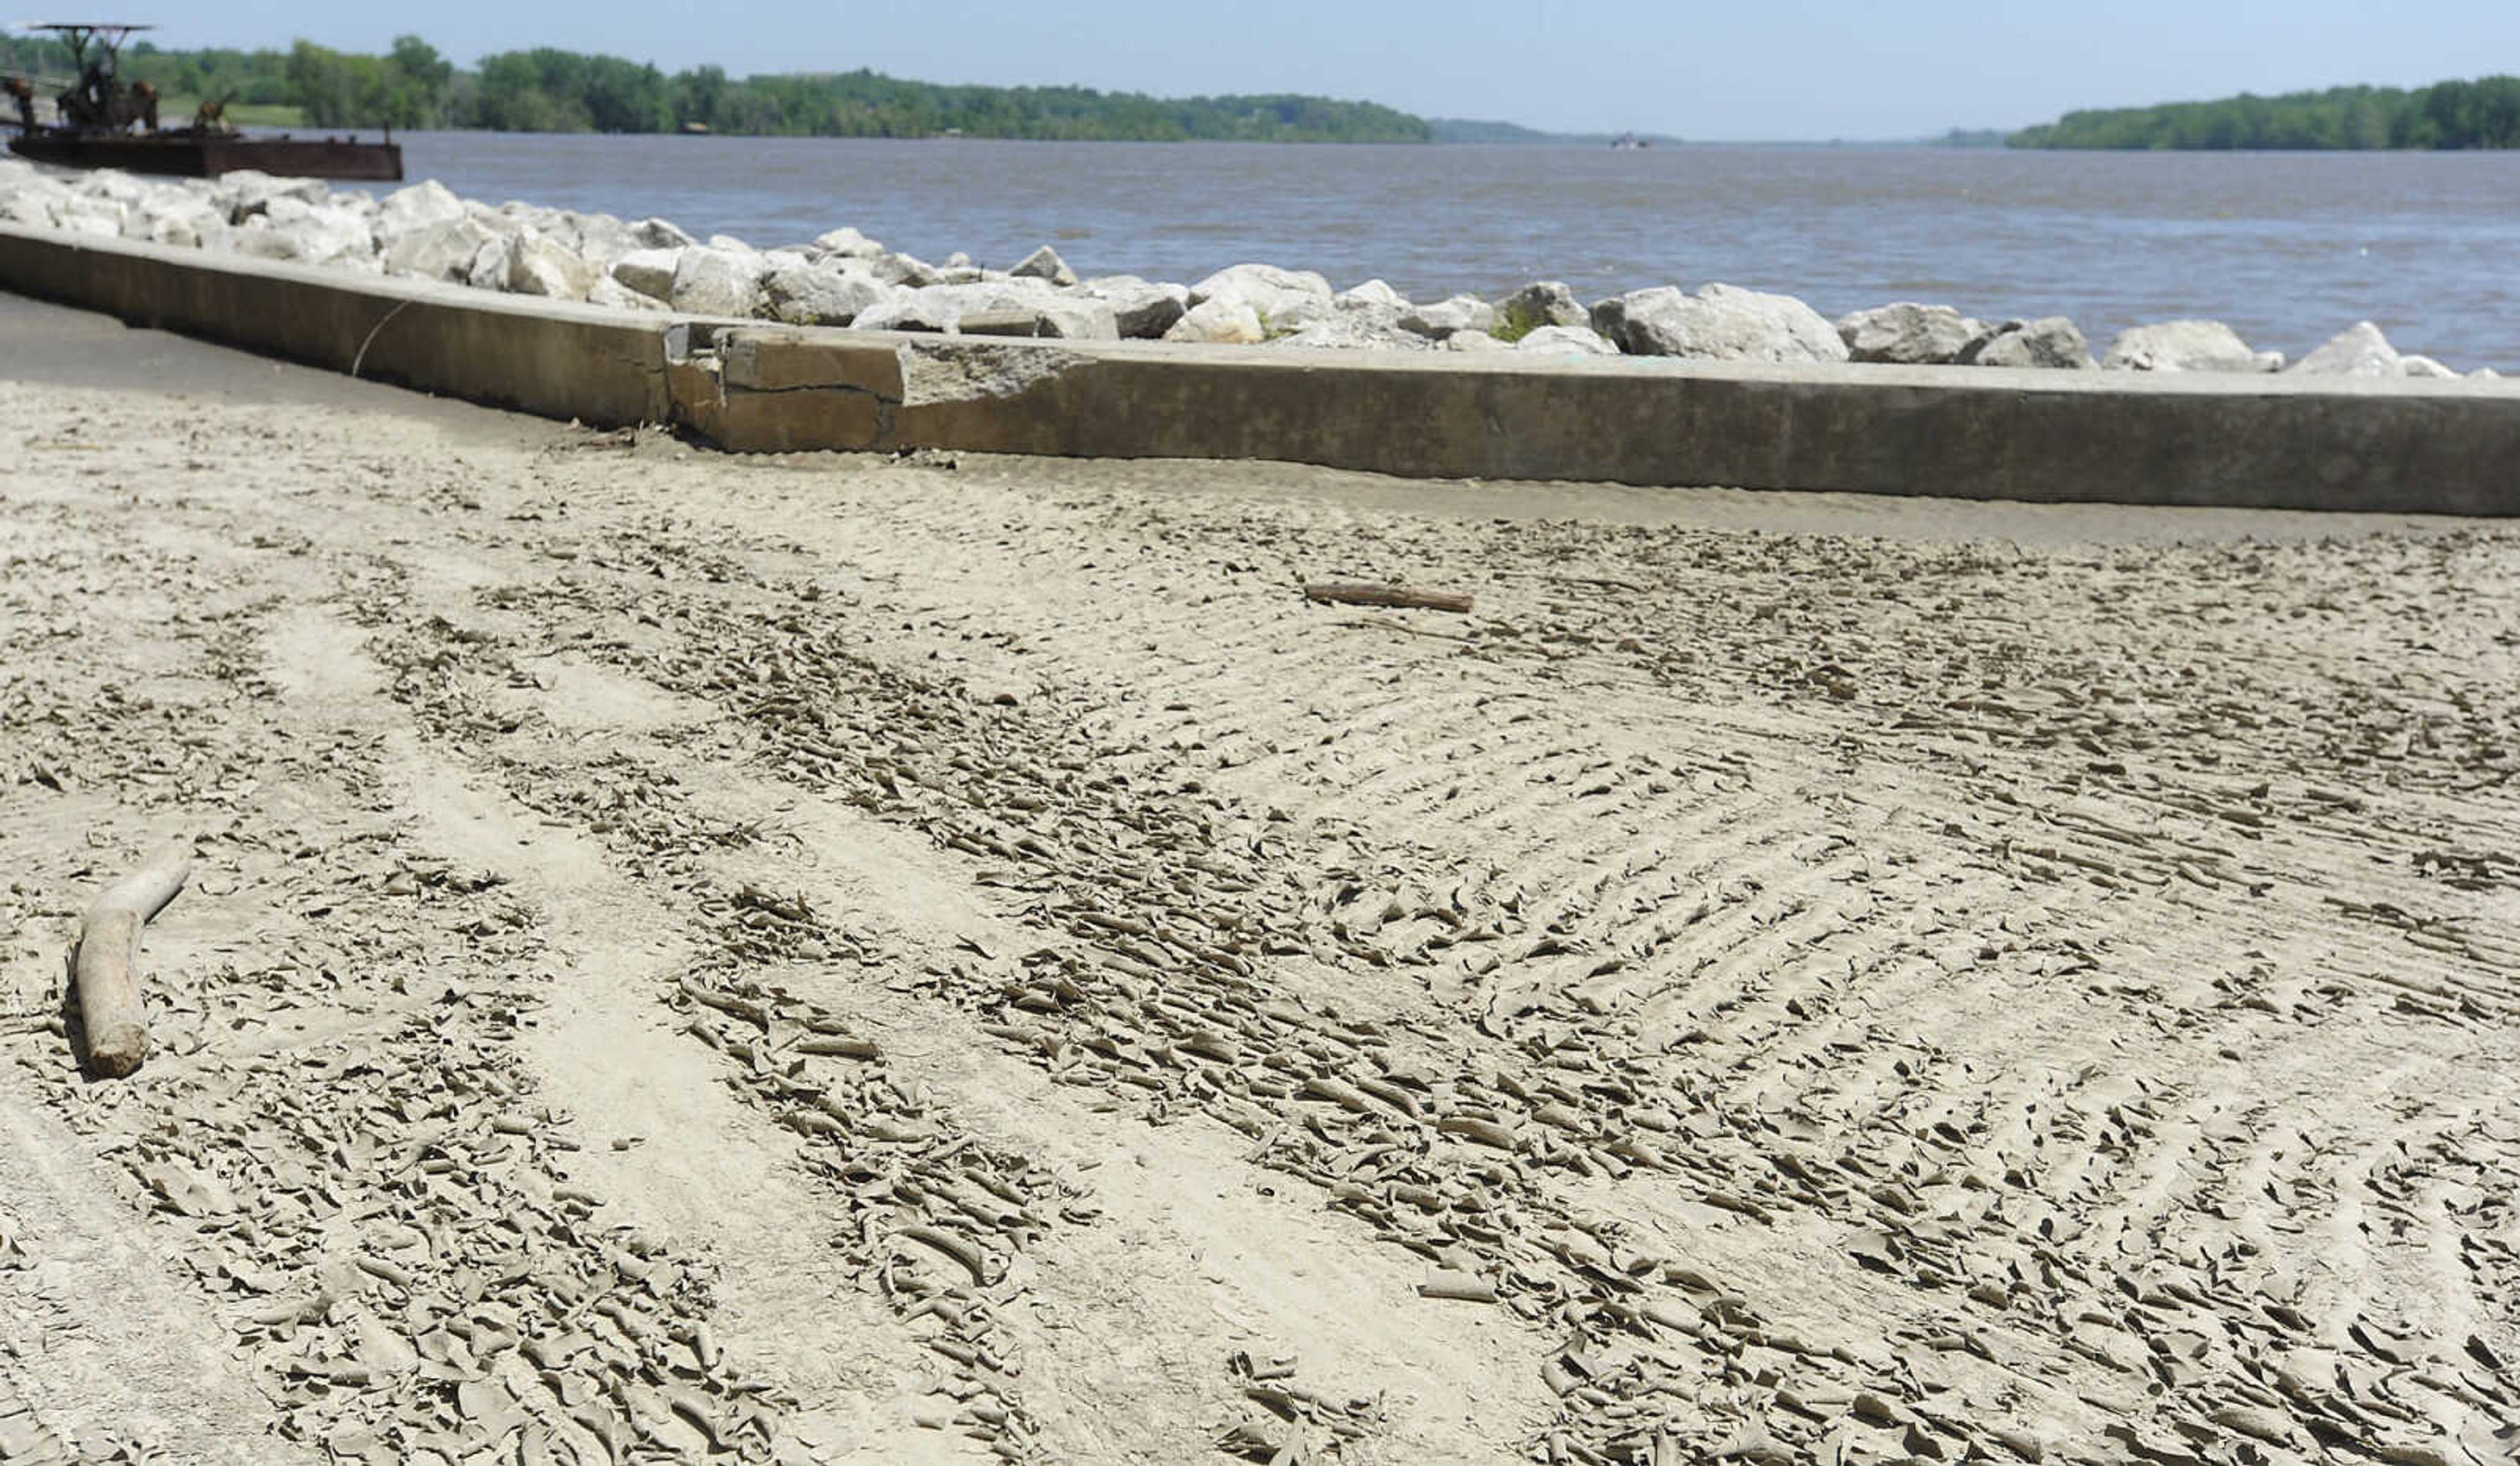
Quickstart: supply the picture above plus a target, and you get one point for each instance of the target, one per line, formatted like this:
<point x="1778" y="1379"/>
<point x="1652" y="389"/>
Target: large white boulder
<point x="178" y="230"/>
<point x="1565" y="340"/>
<point x="1284" y="299"/>
<point x="650" y="272"/>
<point x="283" y="211"/>
<point x="82" y="214"/>
<point x="1143" y="310"/>
<point x="2359" y="350"/>
<point x="907" y="270"/>
<point x="660" y="233"/>
<point x="709" y="281"/>
<point x="1720" y="323"/>
<point x="540" y="265"/>
<point x="257" y="238"/>
<point x="1373" y="295"/>
<point x="2181" y="346"/>
<point x="332" y="233"/>
<point x="802" y="293"/>
<point x="177" y="218"/>
<point x="110" y="183"/>
<point x="247" y="191"/>
<point x="910" y="309"/>
<point x="443" y="250"/>
<point x="36" y="200"/>
<point x="1043" y="263"/>
<point x="418" y="206"/>
<point x="1226" y="320"/>
<point x="847" y="243"/>
<point x="491" y="263"/>
<point x="775" y="260"/>
<point x="1910" y="333"/>
<point x="599" y="239"/>
<point x="2051" y="341"/>
<point x="1443" y="319"/>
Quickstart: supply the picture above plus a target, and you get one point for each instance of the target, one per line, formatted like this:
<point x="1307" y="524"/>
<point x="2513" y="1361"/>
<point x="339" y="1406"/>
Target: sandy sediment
<point x="842" y="959"/>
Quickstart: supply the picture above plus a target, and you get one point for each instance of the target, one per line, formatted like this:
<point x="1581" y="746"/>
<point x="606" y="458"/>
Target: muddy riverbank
<point x="951" y="959"/>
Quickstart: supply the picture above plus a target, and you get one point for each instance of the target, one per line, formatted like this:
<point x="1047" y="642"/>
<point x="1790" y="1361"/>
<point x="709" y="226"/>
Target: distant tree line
<point x="2480" y="113"/>
<point x="547" y="90"/>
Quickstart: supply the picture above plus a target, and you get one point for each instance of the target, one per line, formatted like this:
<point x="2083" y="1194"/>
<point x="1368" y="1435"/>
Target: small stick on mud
<point x="1403" y="597"/>
<point x="1460" y="1287"/>
<point x="102" y="963"/>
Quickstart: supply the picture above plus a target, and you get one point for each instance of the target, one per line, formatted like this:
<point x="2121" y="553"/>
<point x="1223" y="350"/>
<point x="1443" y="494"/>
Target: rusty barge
<point x="104" y="123"/>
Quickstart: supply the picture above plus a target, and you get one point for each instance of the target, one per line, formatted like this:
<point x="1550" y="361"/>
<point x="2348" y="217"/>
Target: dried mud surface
<point x="869" y="959"/>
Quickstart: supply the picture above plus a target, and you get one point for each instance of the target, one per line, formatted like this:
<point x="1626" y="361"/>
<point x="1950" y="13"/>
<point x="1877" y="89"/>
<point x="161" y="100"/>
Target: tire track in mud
<point x="928" y="1218"/>
<point x="1162" y="983"/>
<point x="2104" y="848"/>
<point x="822" y="743"/>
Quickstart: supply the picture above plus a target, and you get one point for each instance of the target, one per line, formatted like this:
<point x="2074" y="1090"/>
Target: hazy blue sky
<point x="1754" y="69"/>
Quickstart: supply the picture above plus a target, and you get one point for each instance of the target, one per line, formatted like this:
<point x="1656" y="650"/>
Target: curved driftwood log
<point x="108" y="953"/>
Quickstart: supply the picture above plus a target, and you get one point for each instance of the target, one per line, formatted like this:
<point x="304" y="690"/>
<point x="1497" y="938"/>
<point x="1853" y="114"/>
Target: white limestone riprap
<point x="844" y="278"/>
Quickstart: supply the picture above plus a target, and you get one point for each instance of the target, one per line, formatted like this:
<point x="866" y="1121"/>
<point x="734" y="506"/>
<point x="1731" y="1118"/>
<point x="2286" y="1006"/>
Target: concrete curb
<point x="2407" y="447"/>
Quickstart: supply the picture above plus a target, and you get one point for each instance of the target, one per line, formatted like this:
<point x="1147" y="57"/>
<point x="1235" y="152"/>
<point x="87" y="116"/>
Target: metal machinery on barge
<point x="104" y="123"/>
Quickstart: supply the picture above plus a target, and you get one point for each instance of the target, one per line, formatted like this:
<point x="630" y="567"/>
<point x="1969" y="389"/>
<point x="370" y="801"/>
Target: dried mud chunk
<point x="2258" y="1424"/>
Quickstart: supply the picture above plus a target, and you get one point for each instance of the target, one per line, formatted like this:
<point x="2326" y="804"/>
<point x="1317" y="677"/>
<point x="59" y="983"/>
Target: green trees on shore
<point x="867" y="104"/>
<point x="547" y="90"/>
<point x="2480" y="113"/>
<point x="407" y="87"/>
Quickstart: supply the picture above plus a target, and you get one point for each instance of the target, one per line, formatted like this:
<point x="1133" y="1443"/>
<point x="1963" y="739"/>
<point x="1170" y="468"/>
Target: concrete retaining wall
<point x="2440" y="447"/>
<point x="551" y="358"/>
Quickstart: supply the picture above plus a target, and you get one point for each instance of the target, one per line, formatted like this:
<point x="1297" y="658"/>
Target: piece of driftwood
<point x="104" y="965"/>
<point x="1460" y="1287"/>
<point x="1403" y="597"/>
